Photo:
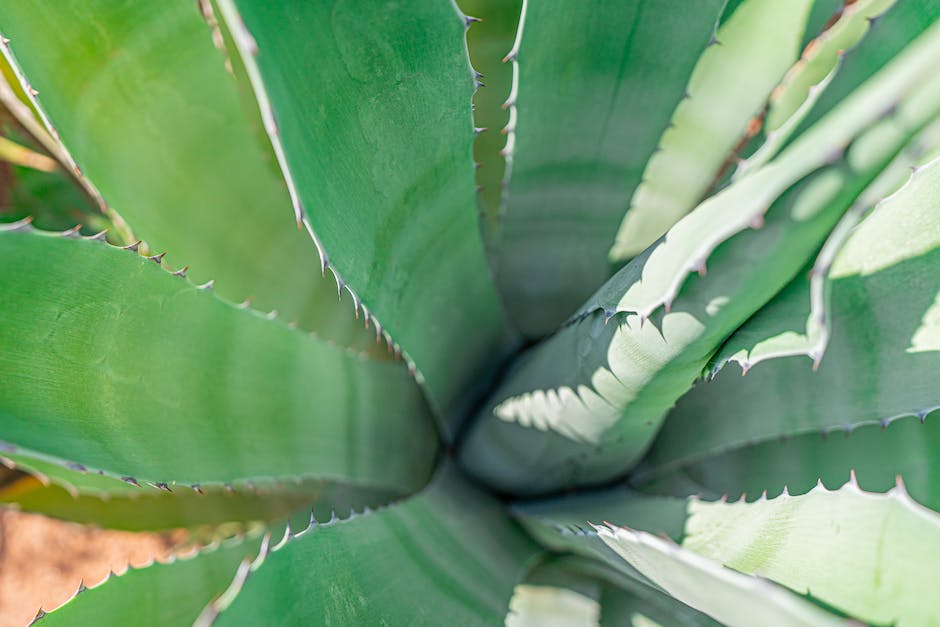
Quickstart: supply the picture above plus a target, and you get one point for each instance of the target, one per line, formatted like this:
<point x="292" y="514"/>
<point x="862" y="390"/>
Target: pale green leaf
<point x="873" y="556"/>
<point x="881" y="358"/>
<point x="729" y="86"/>
<point x="660" y="564"/>
<point x="584" y="405"/>
<point x="804" y="83"/>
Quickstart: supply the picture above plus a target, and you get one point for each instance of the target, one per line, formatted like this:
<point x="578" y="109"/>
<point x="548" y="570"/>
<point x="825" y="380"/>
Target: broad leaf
<point x="873" y="556"/>
<point x="729" y="597"/>
<point x="555" y="595"/>
<point x="881" y="358"/>
<point x="447" y="556"/>
<point x="796" y="322"/>
<point x="111" y="362"/>
<point x="576" y="154"/>
<point x="730" y="84"/>
<point x="375" y="140"/>
<point x="642" y="606"/>
<point x="90" y="498"/>
<point x="877" y="456"/>
<point x="582" y="407"/>
<point x="143" y="103"/>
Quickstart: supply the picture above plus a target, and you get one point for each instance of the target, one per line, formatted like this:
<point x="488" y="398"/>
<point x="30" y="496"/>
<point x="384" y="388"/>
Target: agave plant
<point x="523" y="405"/>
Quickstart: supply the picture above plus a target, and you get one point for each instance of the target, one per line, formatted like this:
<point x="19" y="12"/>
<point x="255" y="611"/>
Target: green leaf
<point x="728" y="597"/>
<point x="575" y="154"/>
<point x="795" y="321"/>
<point x="37" y="182"/>
<point x="642" y="604"/>
<point x="110" y="503"/>
<point x="144" y="105"/>
<point x="555" y="595"/>
<point x="447" y="556"/>
<point x="873" y="556"/>
<point x="879" y="362"/>
<point x="488" y="42"/>
<point x="805" y="82"/>
<point x="375" y="138"/>
<point x="171" y="594"/>
<point x="876" y="455"/>
<point x="550" y="606"/>
<point x="728" y="88"/>
<point x="889" y="34"/>
<point x="111" y="362"/>
<point x="583" y="406"/>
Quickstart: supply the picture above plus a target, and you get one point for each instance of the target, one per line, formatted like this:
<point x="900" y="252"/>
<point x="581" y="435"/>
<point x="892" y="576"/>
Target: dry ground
<point x="43" y="561"/>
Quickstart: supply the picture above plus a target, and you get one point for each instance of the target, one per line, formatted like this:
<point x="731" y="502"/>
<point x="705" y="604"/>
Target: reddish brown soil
<point x="43" y="561"/>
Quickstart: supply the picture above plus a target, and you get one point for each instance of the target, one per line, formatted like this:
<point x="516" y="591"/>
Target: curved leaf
<point x="728" y="88"/>
<point x="144" y="105"/>
<point x="575" y="155"/>
<point x="555" y="595"/>
<point x="488" y="42"/>
<point x="375" y="140"/>
<point x="549" y="606"/>
<point x="112" y="362"/>
<point x="450" y="550"/>
<point x="581" y="407"/>
<point x="889" y="33"/>
<point x="809" y="77"/>
<point x="795" y="322"/>
<point x="874" y="556"/>
<point x="881" y="359"/>
<point x="87" y="498"/>
<point x="644" y="607"/>
<point x="729" y="597"/>
<point x="163" y="594"/>
<point x="876" y="456"/>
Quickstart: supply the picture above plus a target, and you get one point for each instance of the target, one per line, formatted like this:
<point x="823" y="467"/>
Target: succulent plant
<point x="526" y="405"/>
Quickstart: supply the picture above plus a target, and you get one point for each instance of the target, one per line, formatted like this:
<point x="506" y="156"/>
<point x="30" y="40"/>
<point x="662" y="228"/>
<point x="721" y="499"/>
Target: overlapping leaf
<point x="375" y="139"/>
<point x="448" y="555"/>
<point x="144" y="105"/>
<point x="113" y="363"/>
<point x="89" y="498"/>
<point x="881" y="358"/>
<point x="164" y="594"/>
<point x="586" y="419"/>
<point x="576" y="153"/>
<point x="876" y="455"/>
<point x="873" y="556"/>
<point x="729" y="597"/>
<point x="732" y="80"/>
